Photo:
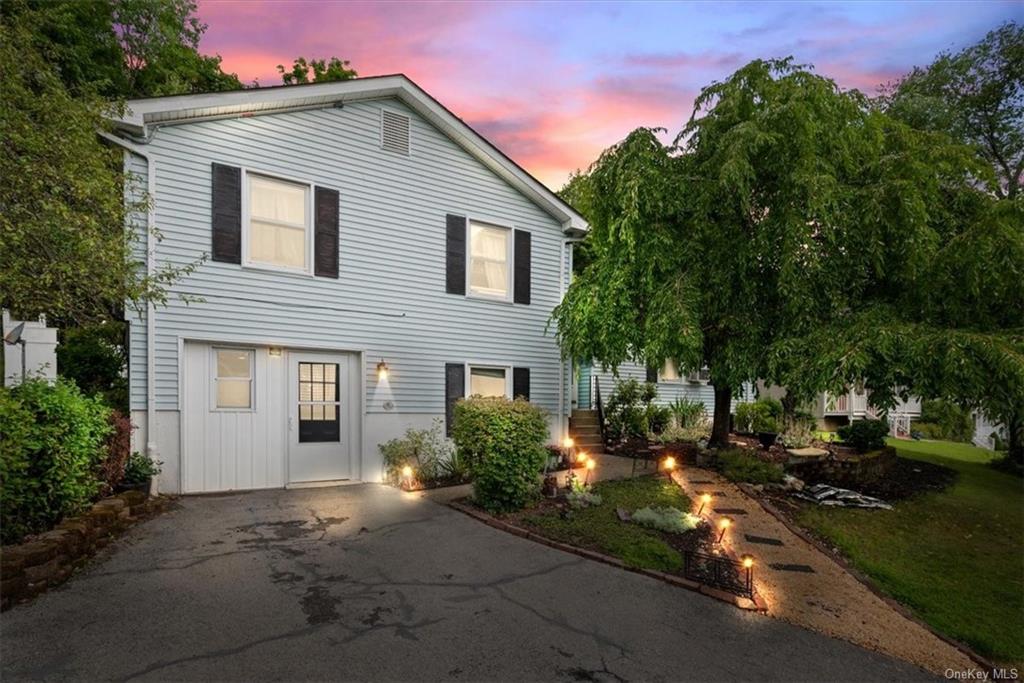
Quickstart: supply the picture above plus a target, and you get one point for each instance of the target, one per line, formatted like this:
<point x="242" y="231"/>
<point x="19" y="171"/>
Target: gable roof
<point x="141" y="117"/>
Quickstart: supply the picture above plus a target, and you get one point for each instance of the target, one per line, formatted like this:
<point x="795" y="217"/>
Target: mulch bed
<point x="905" y="478"/>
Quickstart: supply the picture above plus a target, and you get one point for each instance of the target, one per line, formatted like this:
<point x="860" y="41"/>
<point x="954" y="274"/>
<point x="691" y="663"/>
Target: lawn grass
<point x="599" y="528"/>
<point x="956" y="558"/>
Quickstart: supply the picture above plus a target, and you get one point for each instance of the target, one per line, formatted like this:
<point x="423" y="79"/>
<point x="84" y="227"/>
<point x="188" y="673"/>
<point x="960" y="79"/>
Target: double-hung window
<point x="490" y="271"/>
<point x="279" y="223"/>
<point x="233" y="379"/>
<point x="488" y="381"/>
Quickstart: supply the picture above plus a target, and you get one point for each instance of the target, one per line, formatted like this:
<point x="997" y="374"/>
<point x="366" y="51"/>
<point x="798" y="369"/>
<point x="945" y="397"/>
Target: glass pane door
<point x="319" y="403"/>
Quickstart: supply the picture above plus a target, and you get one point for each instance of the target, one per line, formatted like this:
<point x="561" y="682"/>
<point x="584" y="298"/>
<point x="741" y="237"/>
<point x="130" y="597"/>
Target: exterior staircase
<point x="585" y="431"/>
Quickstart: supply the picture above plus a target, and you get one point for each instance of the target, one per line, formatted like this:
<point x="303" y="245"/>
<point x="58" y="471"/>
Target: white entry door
<point x="319" y="418"/>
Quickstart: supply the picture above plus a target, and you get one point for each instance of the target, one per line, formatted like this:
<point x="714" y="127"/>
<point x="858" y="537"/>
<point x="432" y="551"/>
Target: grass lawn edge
<point x="863" y="578"/>
<point x="758" y="604"/>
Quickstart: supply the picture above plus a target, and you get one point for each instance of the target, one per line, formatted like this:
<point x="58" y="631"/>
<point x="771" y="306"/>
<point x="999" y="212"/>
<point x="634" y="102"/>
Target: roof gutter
<point x="151" y="445"/>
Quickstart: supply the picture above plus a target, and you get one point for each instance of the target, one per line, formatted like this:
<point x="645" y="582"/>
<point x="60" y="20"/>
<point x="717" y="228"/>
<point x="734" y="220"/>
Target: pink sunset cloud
<point x="554" y="84"/>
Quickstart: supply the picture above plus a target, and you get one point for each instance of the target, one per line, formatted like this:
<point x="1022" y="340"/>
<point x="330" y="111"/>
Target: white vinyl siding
<point x="389" y="300"/>
<point x="667" y="391"/>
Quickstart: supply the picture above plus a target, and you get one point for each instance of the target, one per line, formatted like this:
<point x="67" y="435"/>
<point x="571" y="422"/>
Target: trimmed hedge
<point x="502" y="443"/>
<point x="54" y="441"/>
<point x="865" y="435"/>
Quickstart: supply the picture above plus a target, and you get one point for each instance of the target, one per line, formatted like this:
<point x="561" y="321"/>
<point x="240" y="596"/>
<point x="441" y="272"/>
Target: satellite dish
<point x="14" y="336"/>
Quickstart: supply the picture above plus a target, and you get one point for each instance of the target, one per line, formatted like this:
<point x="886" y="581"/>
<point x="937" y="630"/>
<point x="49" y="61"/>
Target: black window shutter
<point x="454" y="389"/>
<point x="455" y="251"/>
<point x="652" y="375"/>
<point x="226" y="225"/>
<point x="325" y="233"/>
<point x="521" y="383"/>
<point x="521" y="288"/>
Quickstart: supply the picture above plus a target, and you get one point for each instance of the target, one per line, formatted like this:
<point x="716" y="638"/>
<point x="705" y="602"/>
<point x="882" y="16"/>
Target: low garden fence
<point x="719" y="571"/>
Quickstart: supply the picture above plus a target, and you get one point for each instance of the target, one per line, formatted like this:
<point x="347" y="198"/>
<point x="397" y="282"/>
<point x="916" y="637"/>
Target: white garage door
<point x="255" y="420"/>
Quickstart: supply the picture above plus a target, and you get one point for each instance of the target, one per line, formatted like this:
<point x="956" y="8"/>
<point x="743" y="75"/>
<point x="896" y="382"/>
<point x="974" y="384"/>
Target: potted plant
<point x="140" y="474"/>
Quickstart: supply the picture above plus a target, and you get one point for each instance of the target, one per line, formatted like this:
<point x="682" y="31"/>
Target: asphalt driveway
<point x="364" y="582"/>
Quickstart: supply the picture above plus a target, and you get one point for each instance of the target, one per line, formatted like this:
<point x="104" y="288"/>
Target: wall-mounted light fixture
<point x="275" y="351"/>
<point x="382" y="370"/>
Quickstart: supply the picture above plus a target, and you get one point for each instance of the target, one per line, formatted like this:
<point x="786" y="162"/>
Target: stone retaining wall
<point x="847" y="471"/>
<point x="50" y="558"/>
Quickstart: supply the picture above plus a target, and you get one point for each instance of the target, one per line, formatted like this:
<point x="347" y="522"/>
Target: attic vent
<point x="394" y="132"/>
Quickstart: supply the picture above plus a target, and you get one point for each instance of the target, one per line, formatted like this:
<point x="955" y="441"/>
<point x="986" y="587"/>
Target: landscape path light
<point x="669" y="464"/>
<point x="591" y="464"/>
<point x="407" y="477"/>
<point x="724" y="525"/>
<point x="704" y="500"/>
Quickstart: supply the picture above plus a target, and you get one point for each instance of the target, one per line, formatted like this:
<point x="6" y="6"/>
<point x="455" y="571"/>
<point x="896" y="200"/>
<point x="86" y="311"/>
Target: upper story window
<point x="279" y="225"/>
<point x="669" y="372"/>
<point x="489" y="268"/>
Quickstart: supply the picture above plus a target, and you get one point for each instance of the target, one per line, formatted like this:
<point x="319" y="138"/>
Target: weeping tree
<point x="785" y="208"/>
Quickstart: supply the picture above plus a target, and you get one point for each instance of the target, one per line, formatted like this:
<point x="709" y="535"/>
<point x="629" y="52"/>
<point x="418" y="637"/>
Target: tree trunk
<point x="788" y="408"/>
<point x="720" y="427"/>
<point x="1015" y="434"/>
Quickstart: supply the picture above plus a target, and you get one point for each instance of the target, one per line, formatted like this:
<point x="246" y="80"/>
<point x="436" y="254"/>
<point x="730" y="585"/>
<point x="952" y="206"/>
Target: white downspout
<point x="563" y="426"/>
<point x="151" y="445"/>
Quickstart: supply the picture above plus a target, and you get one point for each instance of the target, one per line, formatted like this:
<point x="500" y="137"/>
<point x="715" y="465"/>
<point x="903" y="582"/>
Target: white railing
<point x="844" y="404"/>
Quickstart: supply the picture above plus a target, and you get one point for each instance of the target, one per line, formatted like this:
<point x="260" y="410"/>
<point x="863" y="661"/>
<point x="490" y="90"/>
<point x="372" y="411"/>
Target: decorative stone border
<point x="28" y="569"/>
<point x="758" y="604"/>
<point x="798" y="531"/>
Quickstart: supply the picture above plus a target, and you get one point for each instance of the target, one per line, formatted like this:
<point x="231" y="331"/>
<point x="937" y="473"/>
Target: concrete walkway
<point x="365" y="582"/>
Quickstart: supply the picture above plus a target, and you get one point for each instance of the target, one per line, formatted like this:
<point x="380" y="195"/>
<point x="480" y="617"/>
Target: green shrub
<point x="763" y="415"/>
<point x="945" y="421"/>
<point x="54" y="440"/>
<point x="693" y="433"/>
<point x="865" y="435"/>
<point x="658" y="418"/>
<point x="580" y="496"/>
<point x="140" y="469"/>
<point x="426" y="451"/>
<point x="502" y="443"/>
<point x="118" y="450"/>
<point x="667" y="519"/>
<point x="737" y="464"/>
<point x="687" y="413"/>
<point x="626" y="412"/>
<point x="94" y="356"/>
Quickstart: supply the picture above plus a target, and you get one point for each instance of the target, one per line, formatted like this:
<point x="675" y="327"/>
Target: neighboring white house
<point x="33" y="354"/>
<point x="371" y="260"/>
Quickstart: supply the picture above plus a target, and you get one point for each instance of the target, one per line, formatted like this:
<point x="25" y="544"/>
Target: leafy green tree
<point x="64" y="248"/>
<point x="976" y="96"/>
<point x="123" y="48"/>
<point x="790" y="217"/>
<point x="316" y="71"/>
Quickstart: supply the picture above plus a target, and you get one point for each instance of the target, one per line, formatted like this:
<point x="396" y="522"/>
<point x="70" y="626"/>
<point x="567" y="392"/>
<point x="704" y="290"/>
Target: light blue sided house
<point x="369" y="260"/>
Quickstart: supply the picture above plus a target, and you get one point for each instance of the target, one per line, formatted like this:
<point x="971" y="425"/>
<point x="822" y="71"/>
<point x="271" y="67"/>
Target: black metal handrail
<point x="719" y="571"/>
<point x="600" y="410"/>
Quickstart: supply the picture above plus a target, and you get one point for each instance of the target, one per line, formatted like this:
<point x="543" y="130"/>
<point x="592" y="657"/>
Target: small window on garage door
<point x="319" y="403"/>
<point x="233" y="379"/>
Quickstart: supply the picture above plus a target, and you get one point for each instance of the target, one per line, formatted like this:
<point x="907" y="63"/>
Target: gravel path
<point x="828" y="600"/>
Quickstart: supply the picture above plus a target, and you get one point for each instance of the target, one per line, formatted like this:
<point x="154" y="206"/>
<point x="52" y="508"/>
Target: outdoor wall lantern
<point x="382" y="370"/>
<point x="275" y="351"/>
